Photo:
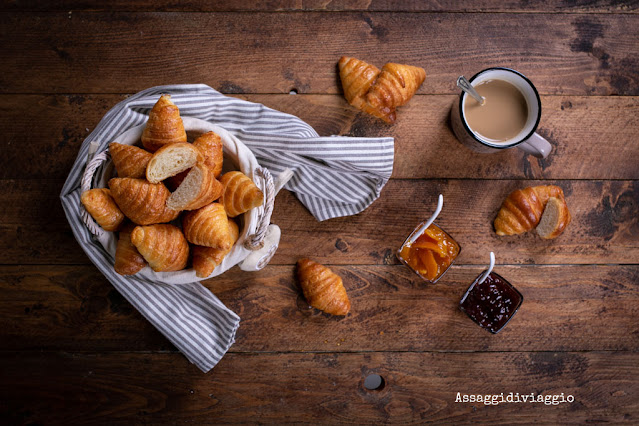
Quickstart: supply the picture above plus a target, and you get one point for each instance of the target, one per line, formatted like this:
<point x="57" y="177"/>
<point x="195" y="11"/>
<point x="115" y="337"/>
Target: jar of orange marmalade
<point x="431" y="254"/>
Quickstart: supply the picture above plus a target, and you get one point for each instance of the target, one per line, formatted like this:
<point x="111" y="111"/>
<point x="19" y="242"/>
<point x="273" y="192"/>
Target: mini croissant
<point x="206" y="259"/>
<point x="164" y="126"/>
<point x="522" y="209"/>
<point x="379" y="92"/>
<point x="162" y="246"/>
<point x="102" y="208"/>
<point x="323" y="289"/>
<point x="128" y="260"/>
<point x="240" y="193"/>
<point x="208" y="226"/>
<point x="129" y="160"/>
<point x="211" y="146"/>
<point x="142" y="202"/>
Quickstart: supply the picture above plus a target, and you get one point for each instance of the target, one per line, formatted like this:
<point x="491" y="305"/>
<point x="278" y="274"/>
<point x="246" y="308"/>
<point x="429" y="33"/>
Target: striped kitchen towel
<point x="332" y="176"/>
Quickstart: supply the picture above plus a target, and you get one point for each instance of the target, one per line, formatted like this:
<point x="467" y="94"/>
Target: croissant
<point x="211" y="146"/>
<point x="522" y="209"/>
<point x="379" y="92"/>
<point x="206" y="259"/>
<point x="164" y="126"/>
<point x="129" y="160"/>
<point x="162" y="246"/>
<point x="357" y="78"/>
<point x="102" y="208"/>
<point x="198" y="189"/>
<point x="554" y="219"/>
<point x="172" y="159"/>
<point x="240" y="193"/>
<point x="208" y="226"/>
<point x="394" y="87"/>
<point x="323" y="289"/>
<point x="141" y="201"/>
<point x="128" y="260"/>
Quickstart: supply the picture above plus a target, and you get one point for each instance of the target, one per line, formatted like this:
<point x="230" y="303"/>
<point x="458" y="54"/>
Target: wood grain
<point x="317" y="388"/>
<point x="94" y="52"/>
<point x="593" y="137"/>
<point x="609" y="6"/>
<point x="567" y="308"/>
<point x="604" y="228"/>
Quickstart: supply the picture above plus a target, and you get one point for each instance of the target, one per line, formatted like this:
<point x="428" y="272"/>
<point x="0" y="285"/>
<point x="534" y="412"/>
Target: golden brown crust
<point x="240" y="193"/>
<point x="379" y="92"/>
<point x="211" y="146"/>
<point x="128" y="260"/>
<point x="129" y="160"/>
<point x="208" y="226"/>
<point x="323" y="289"/>
<point x="162" y="246"/>
<point x="164" y="126"/>
<point x="206" y="259"/>
<point x="522" y="209"/>
<point x="141" y="201"/>
<point x="101" y="206"/>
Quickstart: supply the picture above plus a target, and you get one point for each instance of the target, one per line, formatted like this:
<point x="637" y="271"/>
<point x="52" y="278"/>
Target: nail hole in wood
<point x="293" y="91"/>
<point x="374" y="382"/>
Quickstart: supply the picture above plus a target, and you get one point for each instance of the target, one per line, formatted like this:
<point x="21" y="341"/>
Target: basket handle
<point x="256" y="241"/>
<point x="93" y="162"/>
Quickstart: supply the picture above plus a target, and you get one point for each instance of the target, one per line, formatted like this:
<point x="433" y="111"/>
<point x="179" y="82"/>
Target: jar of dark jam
<point x="492" y="303"/>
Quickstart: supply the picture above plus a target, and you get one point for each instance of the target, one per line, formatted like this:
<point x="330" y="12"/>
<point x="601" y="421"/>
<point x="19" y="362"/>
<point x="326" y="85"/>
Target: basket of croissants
<point x="178" y="199"/>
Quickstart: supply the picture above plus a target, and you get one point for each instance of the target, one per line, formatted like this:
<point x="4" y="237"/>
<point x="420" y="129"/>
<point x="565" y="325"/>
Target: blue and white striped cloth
<point x="333" y="176"/>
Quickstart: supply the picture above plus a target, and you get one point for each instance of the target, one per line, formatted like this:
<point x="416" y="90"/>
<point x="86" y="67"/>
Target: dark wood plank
<point x="591" y="54"/>
<point x="593" y="137"/>
<point x="565" y="308"/>
<point x="604" y="228"/>
<point x="317" y="388"/>
<point x="609" y="6"/>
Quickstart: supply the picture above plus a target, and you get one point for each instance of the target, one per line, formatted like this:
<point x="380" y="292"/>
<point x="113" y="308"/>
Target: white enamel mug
<point x="526" y="139"/>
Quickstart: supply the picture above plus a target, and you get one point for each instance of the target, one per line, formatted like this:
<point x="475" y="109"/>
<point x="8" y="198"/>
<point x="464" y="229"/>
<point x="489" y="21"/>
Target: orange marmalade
<point x="431" y="254"/>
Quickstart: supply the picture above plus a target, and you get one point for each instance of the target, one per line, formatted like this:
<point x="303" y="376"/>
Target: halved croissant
<point x="206" y="259"/>
<point x="394" y="87"/>
<point x="379" y="92"/>
<point x="208" y="226"/>
<point x="198" y="189"/>
<point x="323" y="289"/>
<point x="522" y="209"/>
<point x="164" y="126"/>
<point x="141" y="201"/>
<point x="101" y="206"/>
<point x="554" y="219"/>
<point x="129" y="160"/>
<point x="211" y="146"/>
<point x="163" y="246"/>
<point x="128" y="260"/>
<point x="172" y="159"/>
<point x="240" y="193"/>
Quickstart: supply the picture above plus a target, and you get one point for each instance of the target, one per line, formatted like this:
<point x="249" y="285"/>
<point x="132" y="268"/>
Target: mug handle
<point x="536" y="145"/>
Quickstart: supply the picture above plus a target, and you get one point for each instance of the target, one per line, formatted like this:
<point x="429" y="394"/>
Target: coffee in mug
<point x="508" y="117"/>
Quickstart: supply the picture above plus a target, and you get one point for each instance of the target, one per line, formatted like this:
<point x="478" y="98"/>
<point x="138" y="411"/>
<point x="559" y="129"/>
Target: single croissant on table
<point x="206" y="259"/>
<point x="129" y="160"/>
<point x="377" y="92"/>
<point x="162" y="246"/>
<point x="141" y="201"/>
<point x="522" y="210"/>
<point x="322" y="288"/>
<point x="240" y="194"/>
<point x="101" y="206"/>
<point x="164" y="126"/>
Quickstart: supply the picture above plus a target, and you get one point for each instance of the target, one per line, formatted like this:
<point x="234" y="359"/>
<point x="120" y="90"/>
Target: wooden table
<point x="75" y="351"/>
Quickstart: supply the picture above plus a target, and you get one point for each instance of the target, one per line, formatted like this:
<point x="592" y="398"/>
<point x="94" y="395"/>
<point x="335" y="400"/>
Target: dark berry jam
<point x="492" y="303"/>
